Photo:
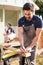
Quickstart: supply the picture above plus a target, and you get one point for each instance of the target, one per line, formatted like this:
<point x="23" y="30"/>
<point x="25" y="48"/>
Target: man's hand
<point x="29" y="49"/>
<point x="23" y="49"/>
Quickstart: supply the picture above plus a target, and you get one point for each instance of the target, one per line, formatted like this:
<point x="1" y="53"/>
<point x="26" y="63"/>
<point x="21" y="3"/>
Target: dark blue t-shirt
<point x="10" y="30"/>
<point x="35" y="20"/>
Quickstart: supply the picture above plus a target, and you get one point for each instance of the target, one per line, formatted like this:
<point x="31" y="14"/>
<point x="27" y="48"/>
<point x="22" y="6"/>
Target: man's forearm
<point x="20" y="35"/>
<point x="34" y="41"/>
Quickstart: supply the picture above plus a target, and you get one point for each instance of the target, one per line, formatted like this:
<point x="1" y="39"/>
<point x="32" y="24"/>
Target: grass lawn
<point x="39" y="59"/>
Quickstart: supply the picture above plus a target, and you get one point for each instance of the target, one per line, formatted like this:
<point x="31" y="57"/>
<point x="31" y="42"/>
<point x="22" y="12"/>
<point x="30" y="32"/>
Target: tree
<point x="40" y="4"/>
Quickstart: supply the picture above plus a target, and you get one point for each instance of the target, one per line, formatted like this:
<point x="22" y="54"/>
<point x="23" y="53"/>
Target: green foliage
<point x="40" y="4"/>
<point x="39" y="12"/>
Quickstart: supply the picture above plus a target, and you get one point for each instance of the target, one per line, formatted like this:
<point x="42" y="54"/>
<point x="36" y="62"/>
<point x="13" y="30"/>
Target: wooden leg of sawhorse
<point x="27" y="61"/>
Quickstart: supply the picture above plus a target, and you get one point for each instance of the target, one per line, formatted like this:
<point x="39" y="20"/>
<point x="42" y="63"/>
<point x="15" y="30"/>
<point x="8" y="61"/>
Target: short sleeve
<point x="12" y="30"/>
<point x="39" y="23"/>
<point x="19" y="23"/>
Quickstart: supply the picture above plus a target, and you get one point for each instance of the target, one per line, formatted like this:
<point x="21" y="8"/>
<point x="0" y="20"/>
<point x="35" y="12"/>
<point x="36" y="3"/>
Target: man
<point x="29" y="28"/>
<point x="9" y="32"/>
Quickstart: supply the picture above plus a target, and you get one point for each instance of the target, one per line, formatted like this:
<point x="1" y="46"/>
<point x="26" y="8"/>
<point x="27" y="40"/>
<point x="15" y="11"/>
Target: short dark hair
<point x="9" y="24"/>
<point x="28" y="6"/>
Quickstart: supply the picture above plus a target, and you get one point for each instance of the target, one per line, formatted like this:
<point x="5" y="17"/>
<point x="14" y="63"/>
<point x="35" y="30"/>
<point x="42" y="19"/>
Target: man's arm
<point x="34" y="41"/>
<point x="20" y="35"/>
<point x="21" y="39"/>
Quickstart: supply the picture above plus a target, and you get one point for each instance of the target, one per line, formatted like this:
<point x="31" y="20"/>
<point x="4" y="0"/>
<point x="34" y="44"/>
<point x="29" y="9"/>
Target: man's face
<point x="28" y="14"/>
